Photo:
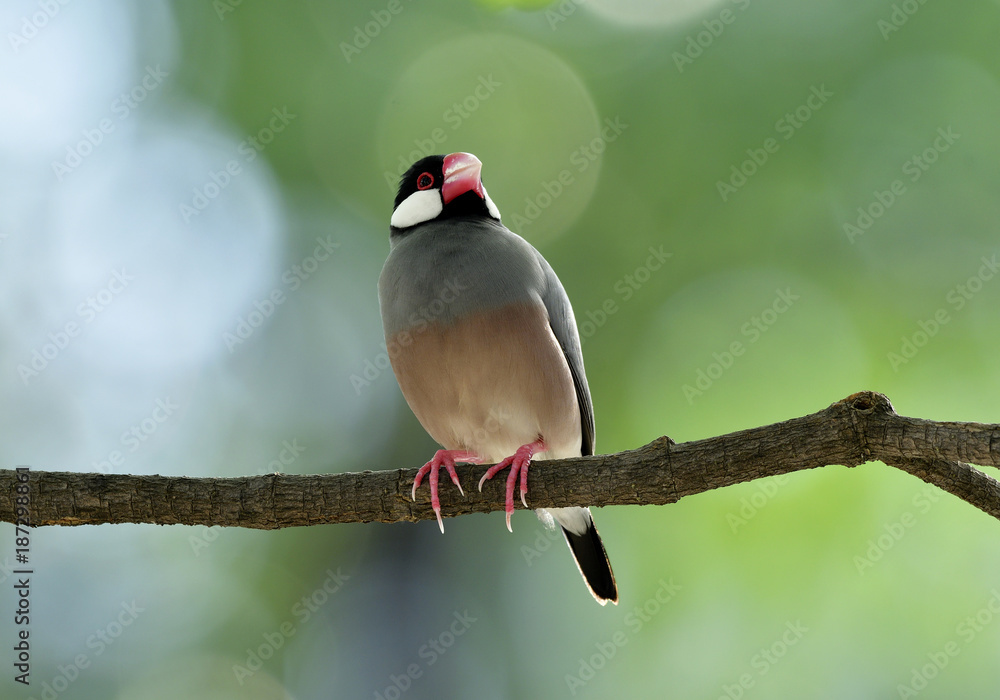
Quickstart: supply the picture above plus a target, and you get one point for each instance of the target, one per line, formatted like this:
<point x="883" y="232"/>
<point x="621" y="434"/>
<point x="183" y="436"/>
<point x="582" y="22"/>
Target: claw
<point x="447" y="459"/>
<point x="524" y="485"/>
<point x="494" y="470"/>
<point x="450" y="466"/>
<point x="518" y="463"/>
<point x="508" y="506"/>
<point x="421" y="473"/>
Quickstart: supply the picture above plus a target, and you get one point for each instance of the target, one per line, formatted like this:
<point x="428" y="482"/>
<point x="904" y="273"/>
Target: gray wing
<point x="563" y="324"/>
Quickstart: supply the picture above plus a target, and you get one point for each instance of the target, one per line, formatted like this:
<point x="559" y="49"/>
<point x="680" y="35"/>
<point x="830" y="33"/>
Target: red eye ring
<point x="425" y="181"/>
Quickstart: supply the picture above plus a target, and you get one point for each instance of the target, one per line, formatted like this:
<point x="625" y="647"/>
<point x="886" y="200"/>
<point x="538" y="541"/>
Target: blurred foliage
<point x="757" y="209"/>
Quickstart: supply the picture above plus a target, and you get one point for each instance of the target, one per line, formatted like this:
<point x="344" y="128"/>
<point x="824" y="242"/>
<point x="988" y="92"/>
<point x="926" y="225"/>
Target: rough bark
<point x="861" y="428"/>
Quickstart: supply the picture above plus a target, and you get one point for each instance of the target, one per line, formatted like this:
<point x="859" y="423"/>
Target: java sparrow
<point x="484" y="344"/>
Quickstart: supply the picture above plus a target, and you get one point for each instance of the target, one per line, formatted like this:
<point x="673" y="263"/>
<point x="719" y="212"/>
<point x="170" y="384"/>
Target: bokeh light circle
<point x="643" y="13"/>
<point x="521" y="109"/>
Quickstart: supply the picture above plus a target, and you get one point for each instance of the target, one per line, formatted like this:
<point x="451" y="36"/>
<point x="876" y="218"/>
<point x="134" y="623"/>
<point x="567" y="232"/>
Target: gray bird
<point x="484" y="344"/>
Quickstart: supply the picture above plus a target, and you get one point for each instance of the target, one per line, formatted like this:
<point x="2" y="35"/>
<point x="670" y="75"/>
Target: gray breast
<point x="447" y="269"/>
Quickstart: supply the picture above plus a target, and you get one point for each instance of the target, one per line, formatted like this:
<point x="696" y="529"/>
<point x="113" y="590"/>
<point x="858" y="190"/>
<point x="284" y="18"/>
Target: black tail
<point x="592" y="561"/>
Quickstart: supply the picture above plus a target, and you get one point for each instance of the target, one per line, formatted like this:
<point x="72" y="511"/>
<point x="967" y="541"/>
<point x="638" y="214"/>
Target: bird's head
<point x="439" y="187"/>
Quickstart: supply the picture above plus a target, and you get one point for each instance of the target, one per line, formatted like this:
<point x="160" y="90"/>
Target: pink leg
<point x="518" y="463"/>
<point x="447" y="459"/>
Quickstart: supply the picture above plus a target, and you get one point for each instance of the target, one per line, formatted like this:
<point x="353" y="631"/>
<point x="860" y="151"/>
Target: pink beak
<point x="461" y="175"/>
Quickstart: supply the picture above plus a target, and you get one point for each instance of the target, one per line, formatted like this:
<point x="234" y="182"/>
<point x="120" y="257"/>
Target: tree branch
<point x="860" y="428"/>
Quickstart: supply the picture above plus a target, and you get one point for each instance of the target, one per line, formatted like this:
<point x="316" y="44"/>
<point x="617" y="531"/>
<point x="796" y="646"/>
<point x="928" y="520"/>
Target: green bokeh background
<point x="696" y="90"/>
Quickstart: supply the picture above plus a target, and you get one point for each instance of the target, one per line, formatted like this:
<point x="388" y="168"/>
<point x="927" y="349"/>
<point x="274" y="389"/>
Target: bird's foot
<point x="518" y="463"/>
<point x="446" y="458"/>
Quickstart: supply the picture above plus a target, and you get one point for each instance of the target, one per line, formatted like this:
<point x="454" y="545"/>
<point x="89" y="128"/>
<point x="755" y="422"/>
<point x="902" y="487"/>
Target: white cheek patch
<point x="490" y="206"/>
<point x="421" y="206"/>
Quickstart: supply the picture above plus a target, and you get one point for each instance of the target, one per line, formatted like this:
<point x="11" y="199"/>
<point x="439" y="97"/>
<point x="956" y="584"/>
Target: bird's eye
<point x="425" y="181"/>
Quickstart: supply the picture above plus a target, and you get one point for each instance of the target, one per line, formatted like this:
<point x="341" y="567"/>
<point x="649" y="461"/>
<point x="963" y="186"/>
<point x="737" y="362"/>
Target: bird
<point x="483" y="342"/>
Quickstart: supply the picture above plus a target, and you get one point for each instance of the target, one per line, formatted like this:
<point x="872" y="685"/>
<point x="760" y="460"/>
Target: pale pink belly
<point x="490" y="383"/>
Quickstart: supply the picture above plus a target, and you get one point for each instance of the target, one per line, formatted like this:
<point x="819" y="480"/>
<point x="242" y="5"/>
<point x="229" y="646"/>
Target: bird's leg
<point x="518" y="463"/>
<point x="446" y="458"/>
